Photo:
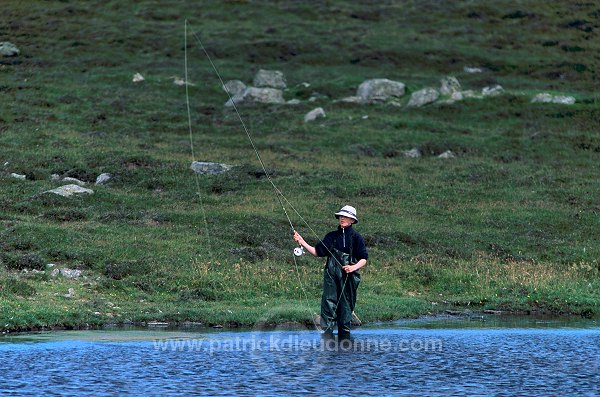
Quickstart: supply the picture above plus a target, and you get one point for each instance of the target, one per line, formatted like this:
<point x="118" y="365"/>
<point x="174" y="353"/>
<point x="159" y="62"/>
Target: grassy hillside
<point x="511" y="223"/>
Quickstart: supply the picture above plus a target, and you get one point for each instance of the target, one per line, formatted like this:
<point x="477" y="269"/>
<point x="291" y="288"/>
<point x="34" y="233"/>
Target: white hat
<point x="347" y="211"/>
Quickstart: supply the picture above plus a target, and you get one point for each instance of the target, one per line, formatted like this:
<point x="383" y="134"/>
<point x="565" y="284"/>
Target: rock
<point x="495" y="312"/>
<point x="413" y="153"/>
<point x="103" y="178"/>
<point x="180" y="82"/>
<point x="18" y="176"/>
<point x="314" y="114"/>
<point x="157" y="324"/>
<point x="269" y="78"/>
<point x="449" y="85"/>
<point x="205" y="168"/>
<point x="294" y="102"/>
<point x="73" y="180"/>
<point x="378" y="90"/>
<point x="350" y="99"/>
<point x="8" y="49"/>
<point x="548" y="98"/>
<point x="234" y="87"/>
<point x="69" y="190"/>
<point x="137" y="78"/>
<point x="71" y="292"/>
<point x="55" y="177"/>
<point x="257" y="95"/>
<point x="423" y="97"/>
<point x="471" y="94"/>
<point x="468" y="69"/>
<point x="492" y="91"/>
<point x="66" y="273"/>
<point x="448" y="154"/>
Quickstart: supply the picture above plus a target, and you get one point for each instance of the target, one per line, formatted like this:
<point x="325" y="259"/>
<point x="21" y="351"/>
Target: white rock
<point x="413" y="153"/>
<point x="257" y="95"/>
<point x="449" y="85"/>
<point x="269" y="78"/>
<point x="448" y="154"/>
<point x="69" y="190"/>
<point x="206" y="168"/>
<point x="74" y="180"/>
<point x="469" y="69"/>
<point x="234" y="87"/>
<point x="314" y="114"/>
<point x="18" y="176"/>
<point x="548" y="98"/>
<point x="377" y="90"/>
<point x="294" y="102"/>
<point x="103" y="178"/>
<point x="138" y="78"/>
<point x="8" y="49"/>
<point x="423" y="97"/>
<point x="180" y="82"/>
<point x="350" y="99"/>
<point x="492" y="91"/>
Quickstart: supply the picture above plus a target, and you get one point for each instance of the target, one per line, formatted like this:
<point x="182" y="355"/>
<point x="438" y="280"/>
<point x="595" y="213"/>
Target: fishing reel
<point x="299" y="251"/>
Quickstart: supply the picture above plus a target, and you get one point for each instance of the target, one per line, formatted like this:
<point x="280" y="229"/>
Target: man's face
<point x="345" y="221"/>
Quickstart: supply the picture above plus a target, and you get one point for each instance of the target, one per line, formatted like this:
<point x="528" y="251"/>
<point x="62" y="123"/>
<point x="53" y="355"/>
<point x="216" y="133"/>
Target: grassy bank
<point x="511" y="223"/>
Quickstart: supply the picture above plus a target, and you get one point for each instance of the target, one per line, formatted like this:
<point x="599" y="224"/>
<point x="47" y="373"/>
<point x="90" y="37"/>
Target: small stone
<point x="103" y="178"/>
<point x="448" y="154"/>
<point x="18" y="176"/>
<point x="137" y="78"/>
<point x="69" y="190"/>
<point x="314" y="114"/>
<point x="206" y="168"/>
<point x="413" y="153"/>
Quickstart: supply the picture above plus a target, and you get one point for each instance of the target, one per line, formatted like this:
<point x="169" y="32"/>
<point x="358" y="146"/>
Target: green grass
<point x="511" y="223"/>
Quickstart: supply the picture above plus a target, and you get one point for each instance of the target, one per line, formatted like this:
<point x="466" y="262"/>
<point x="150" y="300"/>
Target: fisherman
<point x="346" y="252"/>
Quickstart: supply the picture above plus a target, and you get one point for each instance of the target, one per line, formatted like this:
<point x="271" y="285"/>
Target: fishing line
<point x="189" y="116"/>
<point x="278" y="192"/>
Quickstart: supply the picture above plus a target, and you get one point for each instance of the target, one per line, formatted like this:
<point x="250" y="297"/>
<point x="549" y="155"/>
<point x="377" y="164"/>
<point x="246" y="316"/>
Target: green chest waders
<point x="339" y="293"/>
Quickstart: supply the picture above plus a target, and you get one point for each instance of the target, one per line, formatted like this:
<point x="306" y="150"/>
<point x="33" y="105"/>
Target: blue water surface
<point x="431" y="357"/>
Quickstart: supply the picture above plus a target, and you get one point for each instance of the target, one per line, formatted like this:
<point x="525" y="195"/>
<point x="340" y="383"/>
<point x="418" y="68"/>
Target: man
<point x="346" y="253"/>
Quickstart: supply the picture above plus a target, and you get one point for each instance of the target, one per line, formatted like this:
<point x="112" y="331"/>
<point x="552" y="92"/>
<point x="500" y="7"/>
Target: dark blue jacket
<point x="343" y="239"/>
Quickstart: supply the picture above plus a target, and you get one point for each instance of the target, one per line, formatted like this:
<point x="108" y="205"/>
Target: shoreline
<point x="446" y="314"/>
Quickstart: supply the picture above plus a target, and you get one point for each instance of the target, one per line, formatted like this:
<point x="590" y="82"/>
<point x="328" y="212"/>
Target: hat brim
<point x="347" y="215"/>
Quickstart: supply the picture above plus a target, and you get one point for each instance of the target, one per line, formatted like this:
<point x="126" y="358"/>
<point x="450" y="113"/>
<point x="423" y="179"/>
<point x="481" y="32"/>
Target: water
<point x="430" y="357"/>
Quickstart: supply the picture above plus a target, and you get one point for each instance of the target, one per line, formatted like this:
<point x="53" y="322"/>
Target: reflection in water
<point x="419" y="357"/>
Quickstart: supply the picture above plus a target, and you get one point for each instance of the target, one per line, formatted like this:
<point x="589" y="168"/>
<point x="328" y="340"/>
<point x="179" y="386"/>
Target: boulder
<point x="314" y="114"/>
<point x="207" y="168"/>
<point x="257" y="95"/>
<point x="449" y="86"/>
<point x="69" y="190"/>
<point x="234" y="87"/>
<point x="8" y="49"/>
<point x="379" y="90"/>
<point x="269" y="78"/>
<point x="423" y="97"/>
